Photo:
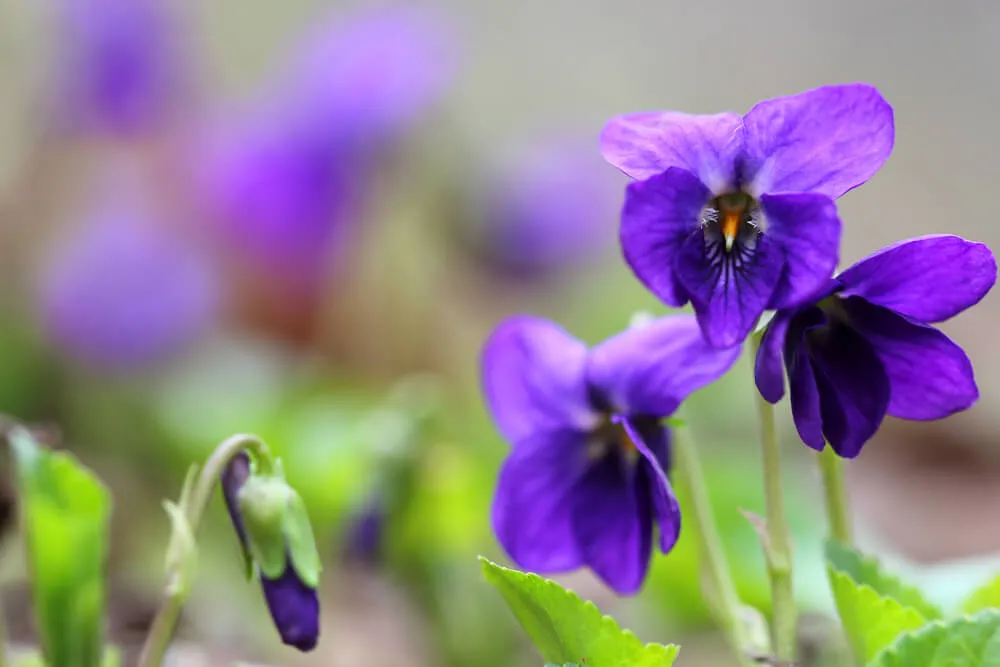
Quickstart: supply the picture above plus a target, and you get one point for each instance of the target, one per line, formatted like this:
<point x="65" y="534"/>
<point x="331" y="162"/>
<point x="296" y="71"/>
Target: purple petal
<point x="659" y="214"/>
<point x="645" y="144"/>
<point x="769" y="372"/>
<point x="650" y="369"/>
<point x="928" y="279"/>
<point x="930" y="377"/>
<point x="232" y="479"/>
<point x="613" y="528"/>
<point x="653" y="441"/>
<point x="807" y="228"/>
<point x="533" y="506"/>
<point x="826" y="141"/>
<point x="728" y="291"/>
<point x="802" y="388"/>
<point x="534" y="378"/>
<point x="294" y="608"/>
<point x="853" y="387"/>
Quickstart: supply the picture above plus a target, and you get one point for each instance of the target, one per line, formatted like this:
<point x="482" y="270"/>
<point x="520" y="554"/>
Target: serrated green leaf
<point x="867" y="570"/>
<point x="871" y="621"/>
<point x="65" y="513"/>
<point x="568" y="630"/>
<point x="962" y="642"/>
<point x="985" y="597"/>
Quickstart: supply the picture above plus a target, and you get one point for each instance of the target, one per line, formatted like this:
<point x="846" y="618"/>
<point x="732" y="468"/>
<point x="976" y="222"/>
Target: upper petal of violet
<point x="648" y="143"/>
<point x="651" y="368"/>
<point x="827" y="140"/>
<point x="928" y="279"/>
<point x="534" y="379"/>
<point x="659" y="214"/>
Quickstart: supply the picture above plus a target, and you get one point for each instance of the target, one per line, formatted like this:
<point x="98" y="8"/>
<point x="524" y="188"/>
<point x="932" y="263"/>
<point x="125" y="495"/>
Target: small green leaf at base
<point x="986" y="597"/>
<point x="567" y="630"/>
<point x="963" y="642"/>
<point x="867" y="570"/>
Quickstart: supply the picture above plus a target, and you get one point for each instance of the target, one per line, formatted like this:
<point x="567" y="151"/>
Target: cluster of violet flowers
<point x="737" y="216"/>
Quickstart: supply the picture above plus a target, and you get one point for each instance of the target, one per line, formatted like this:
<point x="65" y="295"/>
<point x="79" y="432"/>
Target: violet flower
<point x="735" y="213"/>
<point x="293" y="603"/>
<point x="587" y="476"/>
<point x="124" y="293"/>
<point x="117" y="67"/>
<point x="864" y="347"/>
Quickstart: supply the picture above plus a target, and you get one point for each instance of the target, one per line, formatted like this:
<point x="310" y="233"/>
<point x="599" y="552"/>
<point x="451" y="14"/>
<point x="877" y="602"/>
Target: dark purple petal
<point x="853" y="387"/>
<point x="645" y="144"/>
<point x="802" y="388"/>
<point x="613" y="522"/>
<point x="232" y="479"/>
<point x="826" y="141"/>
<point x="659" y="214"/>
<point x="535" y="496"/>
<point x="534" y="378"/>
<point x="928" y="279"/>
<point x="930" y="377"/>
<point x="651" y="368"/>
<point x="807" y="228"/>
<point x="728" y="291"/>
<point x="652" y="440"/>
<point x="769" y="372"/>
<point x="294" y="608"/>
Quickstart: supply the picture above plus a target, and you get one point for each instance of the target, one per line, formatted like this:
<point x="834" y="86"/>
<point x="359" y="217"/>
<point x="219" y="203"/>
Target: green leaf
<point x="962" y="642"/>
<point x="866" y="570"/>
<point x="567" y="630"/>
<point x="65" y="511"/>
<point x="985" y="597"/>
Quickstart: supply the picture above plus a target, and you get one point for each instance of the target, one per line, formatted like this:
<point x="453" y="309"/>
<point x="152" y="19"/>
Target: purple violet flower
<point x="587" y="476"/>
<point x="735" y="213"/>
<point x="863" y="347"/>
<point x="293" y="604"/>
<point x="118" y="63"/>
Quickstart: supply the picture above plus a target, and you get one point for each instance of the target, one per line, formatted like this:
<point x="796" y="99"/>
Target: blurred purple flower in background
<point x="548" y="209"/>
<point x="123" y="292"/>
<point x="117" y="64"/>
<point x="864" y="347"/>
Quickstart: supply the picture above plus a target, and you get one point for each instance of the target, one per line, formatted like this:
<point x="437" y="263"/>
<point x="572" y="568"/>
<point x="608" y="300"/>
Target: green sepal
<point x="301" y="542"/>
<point x="263" y="501"/>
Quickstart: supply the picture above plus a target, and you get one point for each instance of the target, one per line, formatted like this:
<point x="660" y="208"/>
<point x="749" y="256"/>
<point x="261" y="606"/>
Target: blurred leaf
<point x="962" y="642"/>
<point x="567" y="630"/>
<point x="65" y="512"/>
<point x="985" y="597"/>
<point x="867" y="570"/>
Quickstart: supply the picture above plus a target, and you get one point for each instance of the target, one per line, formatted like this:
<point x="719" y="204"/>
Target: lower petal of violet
<point x="652" y="440"/>
<point x="769" y="374"/>
<point x="294" y="608"/>
<point x="802" y="388"/>
<point x="930" y="376"/>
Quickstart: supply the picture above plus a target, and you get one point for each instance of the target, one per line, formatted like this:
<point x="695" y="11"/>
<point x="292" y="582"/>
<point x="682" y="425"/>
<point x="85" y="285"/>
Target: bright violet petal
<point x="651" y="368"/>
<point x="928" y="279"/>
<point x="659" y="214"/>
<point x="802" y="389"/>
<point x="853" y="388"/>
<point x="807" y="228"/>
<point x="827" y="140"/>
<point x="534" y="378"/>
<point x="648" y="143"/>
<point x="613" y="529"/>
<point x="769" y="373"/>
<point x="728" y="291"/>
<point x="930" y="377"/>
<point x="533" y="506"/>
<point x="653" y="441"/>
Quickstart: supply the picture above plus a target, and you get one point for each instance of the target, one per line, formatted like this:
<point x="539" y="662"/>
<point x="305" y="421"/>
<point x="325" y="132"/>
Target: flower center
<point x="611" y="435"/>
<point x="732" y="220"/>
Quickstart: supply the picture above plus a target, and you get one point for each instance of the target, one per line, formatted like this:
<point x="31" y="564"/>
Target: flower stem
<point x="194" y="506"/>
<point x="726" y="602"/>
<point x="835" y="496"/>
<point x="777" y="543"/>
<point x="3" y="636"/>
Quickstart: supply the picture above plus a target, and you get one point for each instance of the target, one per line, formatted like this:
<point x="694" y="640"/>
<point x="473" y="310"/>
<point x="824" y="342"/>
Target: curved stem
<point x="194" y="508"/>
<point x="835" y="496"/>
<point x="726" y="602"/>
<point x="777" y="543"/>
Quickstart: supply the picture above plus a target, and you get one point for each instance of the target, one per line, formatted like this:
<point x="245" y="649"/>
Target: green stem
<point x="777" y="543"/>
<point x="162" y="630"/>
<point x="3" y="636"/>
<point x="726" y="603"/>
<point x="835" y="496"/>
